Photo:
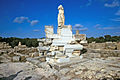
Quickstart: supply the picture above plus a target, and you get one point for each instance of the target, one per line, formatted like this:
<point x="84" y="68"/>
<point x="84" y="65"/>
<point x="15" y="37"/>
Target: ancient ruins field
<point x="59" y="39"/>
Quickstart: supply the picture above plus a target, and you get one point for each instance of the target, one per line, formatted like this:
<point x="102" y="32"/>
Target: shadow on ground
<point x="11" y="77"/>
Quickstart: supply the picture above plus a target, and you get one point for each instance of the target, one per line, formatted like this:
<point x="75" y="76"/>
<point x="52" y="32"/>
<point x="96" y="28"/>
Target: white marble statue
<point x="61" y="17"/>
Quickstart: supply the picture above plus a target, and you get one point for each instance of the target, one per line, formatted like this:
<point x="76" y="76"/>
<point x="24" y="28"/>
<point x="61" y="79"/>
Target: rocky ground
<point x="27" y="64"/>
<point x="84" y="69"/>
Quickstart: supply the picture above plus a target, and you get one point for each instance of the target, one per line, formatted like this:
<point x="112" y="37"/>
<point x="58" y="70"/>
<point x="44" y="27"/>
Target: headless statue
<point x="61" y="17"/>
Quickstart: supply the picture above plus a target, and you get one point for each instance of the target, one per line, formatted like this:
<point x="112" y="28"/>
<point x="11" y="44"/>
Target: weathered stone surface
<point x="42" y="59"/>
<point x="65" y="78"/>
<point x="63" y="60"/>
<point x="110" y="45"/>
<point x="26" y="51"/>
<point x="106" y="53"/>
<point x="4" y="45"/>
<point x="96" y="45"/>
<point x="79" y="72"/>
<point x="35" y="62"/>
<point x="92" y="55"/>
<point x="43" y="65"/>
<point x="35" y="54"/>
<point x="64" y="70"/>
<point x="118" y="46"/>
<point x="11" y="54"/>
<point x="23" y="58"/>
<point x="90" y="69"/>
<point x="16" y="58"/>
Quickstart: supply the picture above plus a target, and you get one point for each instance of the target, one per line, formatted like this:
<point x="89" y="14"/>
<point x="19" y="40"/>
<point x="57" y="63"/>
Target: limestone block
<point x="118" y="46"/>
<point x="19" y="44"/>
<point x="66" y="78"/>
<point x="96" y="45"/>
<point x="76" y="52"/>
<point x="63" y="60"/>
<point x="64" y="70"/>
<point x="35" y="54"/>
<point x="35" y="62"/>
<point x="50" y="60"/>
<point x="111" y="46"/>
<point x="52" y="48"/>
<point x="11" y="54"/>
<point x="29" y="59"/>
<point x="16" y="58"/>
<point x="59" y="53"/>
<point x="79" y="72"/>
<point x="60" y="48"/>
<point x="70" y="55"/>
<point x="49" y="31"/>
<point x="22" y="58"/>
<point x="43" y="65"/>
<point x="60" y="56"/>
<point x="4" y="45"/>
<point x="42" y="59"/>
<point x="92" y="55"/>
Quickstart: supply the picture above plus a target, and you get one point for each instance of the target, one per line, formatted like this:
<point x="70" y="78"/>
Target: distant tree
<point x="14" y="43"/>
<point x="107" y="38"/>
<point x="101" y="39"/>
<point x="29" y="43"/>
<point x="97" y="40"/>
<point x="34" y="43"/>
<point x="91" y="39"/>
<point x="0" y="39"/>
<point x="114" y="39"/>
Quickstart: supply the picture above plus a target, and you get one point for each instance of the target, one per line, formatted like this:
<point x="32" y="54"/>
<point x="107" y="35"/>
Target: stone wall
<point x="105" y="53"/>
<point x="96" y="45"/>
<point x="107" y="45"/>
<point x="4" y="45"/>
<point x="118" y="46"/>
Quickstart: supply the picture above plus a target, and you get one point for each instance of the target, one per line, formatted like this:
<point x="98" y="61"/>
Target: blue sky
<point x="27" y="18"/>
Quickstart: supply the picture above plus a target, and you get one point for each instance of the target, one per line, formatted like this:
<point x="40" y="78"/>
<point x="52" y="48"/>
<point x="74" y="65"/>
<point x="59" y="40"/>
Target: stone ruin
<point x="63" y="45"/>
<point x="4" y="45"/>
<point x="100" y="62"/>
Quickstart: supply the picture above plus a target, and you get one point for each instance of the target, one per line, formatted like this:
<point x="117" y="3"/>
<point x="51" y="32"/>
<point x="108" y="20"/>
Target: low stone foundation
<point x="105" y="53"/>
<point x="107" y="45"/>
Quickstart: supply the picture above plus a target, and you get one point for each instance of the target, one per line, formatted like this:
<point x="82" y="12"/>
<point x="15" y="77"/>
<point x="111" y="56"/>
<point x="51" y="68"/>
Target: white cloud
<point x="34" y="22"/>
<point x="84" y="29"/>
<point x="20" y="19"/>
<point x="115" y="3"/>
<point x="118" y="33"/>
<point x="98" y="27"/>
<point x="78" y="25"/>
<point x="117" y="13"/>
<point x="23" y="19"/>
<point x="108" y="28"/>
<point x="36" y="30"/>
<point x="116" y="19"/>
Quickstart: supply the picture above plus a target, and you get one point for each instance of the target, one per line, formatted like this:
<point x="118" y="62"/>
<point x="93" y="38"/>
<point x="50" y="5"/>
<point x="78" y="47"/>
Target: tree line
<point x="32" y="42"/>
<point x="105" y="38"/>
<point x="13" y="41"/>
